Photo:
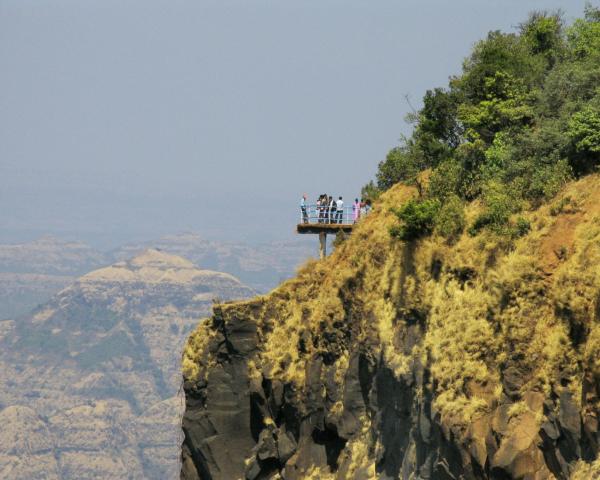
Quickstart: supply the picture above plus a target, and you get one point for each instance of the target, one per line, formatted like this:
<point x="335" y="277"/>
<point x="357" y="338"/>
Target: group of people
<point x="329" y="210"/>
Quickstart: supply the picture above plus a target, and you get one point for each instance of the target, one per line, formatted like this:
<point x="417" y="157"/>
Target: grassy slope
<point x="483" y="306"/>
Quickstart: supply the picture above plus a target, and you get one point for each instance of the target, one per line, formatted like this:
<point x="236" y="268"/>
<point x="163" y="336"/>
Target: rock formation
<point x="89" y="380"/>
<point x="478" y="359"/>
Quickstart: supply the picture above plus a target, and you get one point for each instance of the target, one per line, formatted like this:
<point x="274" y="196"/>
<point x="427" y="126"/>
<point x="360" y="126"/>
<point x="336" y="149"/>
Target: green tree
<point x="521" y="119"/>
<point x="438" y="130"/>
<point x="402" y="164"/>
<point x="417" y="219"/>
<point x="450" y="221"/>
<point x="584" y="35"/>
<point x="584" y="132"/>
<point x="543" y="34"/>
<point x="507" y="104"/>
<point x="499" y="52"/>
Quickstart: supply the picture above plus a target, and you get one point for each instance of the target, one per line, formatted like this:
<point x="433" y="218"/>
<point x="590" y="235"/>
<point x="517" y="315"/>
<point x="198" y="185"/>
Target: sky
<point x="124" y="120"/>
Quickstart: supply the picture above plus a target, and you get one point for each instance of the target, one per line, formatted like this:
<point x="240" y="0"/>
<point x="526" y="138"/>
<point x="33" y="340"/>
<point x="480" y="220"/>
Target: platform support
<point x="322" y="245"/>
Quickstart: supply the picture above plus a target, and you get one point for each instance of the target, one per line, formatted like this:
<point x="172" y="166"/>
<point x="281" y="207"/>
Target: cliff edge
<point x="477" y="359"/>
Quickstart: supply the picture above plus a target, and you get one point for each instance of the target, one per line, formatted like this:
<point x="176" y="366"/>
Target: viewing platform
<point x="324" y="227"/>
<point x="317" y="219"/>
<point x="321" y="220"/>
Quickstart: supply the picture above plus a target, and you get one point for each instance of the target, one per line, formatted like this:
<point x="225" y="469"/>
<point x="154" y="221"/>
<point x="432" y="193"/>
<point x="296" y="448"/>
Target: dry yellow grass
<point x="586" y="471"/>
<point x="482" y="303"/>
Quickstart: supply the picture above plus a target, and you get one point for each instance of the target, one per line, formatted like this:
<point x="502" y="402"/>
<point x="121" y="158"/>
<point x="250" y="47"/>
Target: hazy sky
<point x="124" y="119"/>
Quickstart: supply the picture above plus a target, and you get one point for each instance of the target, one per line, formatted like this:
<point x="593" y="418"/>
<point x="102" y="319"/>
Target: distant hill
<point x="52" y="256"/>
<point x="262" y="266"/>
<point x="30" y="273"/>
<point x="89" y="379"/>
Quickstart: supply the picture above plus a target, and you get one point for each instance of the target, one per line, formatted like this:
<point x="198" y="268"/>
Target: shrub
<point x="450" y="221"/>
<point x="445" y="180"/>
<point x="417" y="219"/>
<point x="340" y="237"/>
<point x="547" y="180"/>
<point x="499" y="205"/>
<point x="584" y="132"/>
<point x="402" y="164"/>
<point x="522" y="227"/>
<point x="370" y="191"/>
<point x="559" y="206"/>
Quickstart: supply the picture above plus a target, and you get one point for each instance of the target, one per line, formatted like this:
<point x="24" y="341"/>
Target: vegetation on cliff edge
<point x="521" y="120"/>
<point x="481" y="256"/>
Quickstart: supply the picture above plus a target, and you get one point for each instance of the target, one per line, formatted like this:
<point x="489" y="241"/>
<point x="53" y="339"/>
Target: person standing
<point x="355" y="210"/>
<point x="340" y="210"/>
<point x="331" y="210"/>
<point x="320" y="209"/>
<point x="303" y="209"/>
<point x="318" y="205"/>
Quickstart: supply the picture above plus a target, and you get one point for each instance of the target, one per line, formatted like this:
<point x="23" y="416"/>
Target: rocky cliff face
<point x="89" y="380"/>
<point x="422" y="360"/>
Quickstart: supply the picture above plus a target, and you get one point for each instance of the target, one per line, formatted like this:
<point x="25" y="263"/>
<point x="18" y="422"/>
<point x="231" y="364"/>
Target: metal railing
<point x="319" y="214"/>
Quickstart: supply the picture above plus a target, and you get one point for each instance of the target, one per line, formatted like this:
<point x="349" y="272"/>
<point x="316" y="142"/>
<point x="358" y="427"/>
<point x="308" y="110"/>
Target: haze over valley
<point x="30" y="273"/>
<point x="170" y="170"/>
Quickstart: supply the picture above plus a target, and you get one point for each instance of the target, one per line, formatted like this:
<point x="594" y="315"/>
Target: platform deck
<point x="324" y="227"/>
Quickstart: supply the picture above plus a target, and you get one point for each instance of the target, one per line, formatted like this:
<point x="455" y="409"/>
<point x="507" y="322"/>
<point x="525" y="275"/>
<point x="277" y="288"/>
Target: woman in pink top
<point x="355" y="210"/>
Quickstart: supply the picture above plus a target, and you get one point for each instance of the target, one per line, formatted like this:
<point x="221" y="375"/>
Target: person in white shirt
<point x="340" y="210"/>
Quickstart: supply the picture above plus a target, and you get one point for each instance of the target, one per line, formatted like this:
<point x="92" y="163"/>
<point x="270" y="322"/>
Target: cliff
<point x="477" y="359"/>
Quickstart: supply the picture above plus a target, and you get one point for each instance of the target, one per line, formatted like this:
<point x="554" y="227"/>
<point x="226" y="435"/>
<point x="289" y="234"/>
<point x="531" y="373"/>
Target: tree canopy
<point x="521" y="119"/>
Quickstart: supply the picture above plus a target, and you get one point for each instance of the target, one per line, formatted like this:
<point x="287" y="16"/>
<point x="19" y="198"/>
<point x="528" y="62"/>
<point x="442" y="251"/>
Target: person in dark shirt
<point x="321" y="208"/>
<point x="332" y="209"/>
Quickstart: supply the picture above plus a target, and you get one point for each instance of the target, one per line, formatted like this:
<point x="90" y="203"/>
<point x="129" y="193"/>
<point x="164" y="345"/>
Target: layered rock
<point x="97" y="370"/>
<point x="26" y="445"/>
<point x="393" y="360"/>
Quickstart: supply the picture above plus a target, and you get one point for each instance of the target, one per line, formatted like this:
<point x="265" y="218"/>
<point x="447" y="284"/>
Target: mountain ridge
<point x="95" y="370"/>
<point x="31" y="273"/>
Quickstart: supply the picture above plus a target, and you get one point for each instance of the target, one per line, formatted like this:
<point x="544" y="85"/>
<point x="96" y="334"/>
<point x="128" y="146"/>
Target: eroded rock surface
<point x="423" y="360"/>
